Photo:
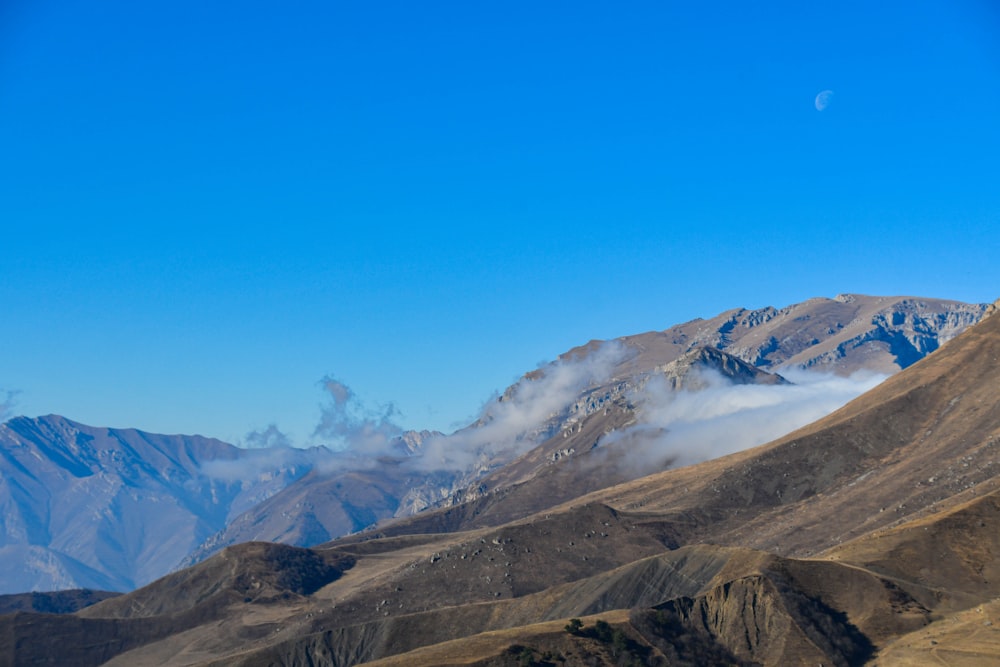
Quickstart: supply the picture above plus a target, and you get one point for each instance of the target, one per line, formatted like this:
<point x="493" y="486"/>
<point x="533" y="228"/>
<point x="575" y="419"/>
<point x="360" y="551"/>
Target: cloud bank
<point x="266" y="463"/>
<point x="681" y="428"/>
<point x="672" y="428"/>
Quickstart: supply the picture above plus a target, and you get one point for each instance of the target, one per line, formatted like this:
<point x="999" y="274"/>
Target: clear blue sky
<point x="206" y="207"/>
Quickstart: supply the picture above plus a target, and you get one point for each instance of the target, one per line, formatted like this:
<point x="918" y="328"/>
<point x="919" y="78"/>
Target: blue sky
<point x="206" y="208"/>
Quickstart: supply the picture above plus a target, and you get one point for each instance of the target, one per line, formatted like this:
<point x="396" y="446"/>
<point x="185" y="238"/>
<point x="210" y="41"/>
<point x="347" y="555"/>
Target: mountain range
<point x="115" y="509"/>
<point x="869" y="536"/>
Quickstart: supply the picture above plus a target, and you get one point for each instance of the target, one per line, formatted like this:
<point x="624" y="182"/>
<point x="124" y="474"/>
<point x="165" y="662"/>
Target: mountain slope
<point x="77" y="499"/>
<point x="918" y="441"/>
<point x="903" y="599"/>
<point x="844" y="334"/>
<point x="79" y="503"/>
<point x="330" y="501"/>
<point x="776" y="555"/>
<point x="563" y="447"/>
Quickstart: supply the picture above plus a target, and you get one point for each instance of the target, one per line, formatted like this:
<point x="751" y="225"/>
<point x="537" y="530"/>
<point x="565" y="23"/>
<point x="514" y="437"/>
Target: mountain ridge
<point x="305" y="498"/>
<point x="689" y="565"/>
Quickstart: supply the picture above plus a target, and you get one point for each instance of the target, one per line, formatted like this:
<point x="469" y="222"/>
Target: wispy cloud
<point x="359" y="435"/>
<point x="349" y="436"/>
<point x="512" y="424"/>
<point x="271" y="436"/>
<point x="349" y="426"/>
<point x="672" y="428"/>
<point x="266" y="464"/>
<point x="8" y="399"/>
<point x="681" y="428"/>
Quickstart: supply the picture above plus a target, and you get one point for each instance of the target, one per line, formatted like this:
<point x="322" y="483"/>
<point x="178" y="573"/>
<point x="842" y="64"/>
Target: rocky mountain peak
<point x="690" y="370"/>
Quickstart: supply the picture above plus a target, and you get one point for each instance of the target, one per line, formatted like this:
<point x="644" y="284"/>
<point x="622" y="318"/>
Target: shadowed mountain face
<point x="870" y="535"/>
<point x="58" y="602"/>
<point x="116" y="508"/>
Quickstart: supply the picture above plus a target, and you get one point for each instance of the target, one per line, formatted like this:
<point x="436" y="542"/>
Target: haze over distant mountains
<point x="113" y="509"/>
<point x="116" y="508"/>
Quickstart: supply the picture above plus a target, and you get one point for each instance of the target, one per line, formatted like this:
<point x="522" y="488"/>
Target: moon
<point x="823" y="100"/>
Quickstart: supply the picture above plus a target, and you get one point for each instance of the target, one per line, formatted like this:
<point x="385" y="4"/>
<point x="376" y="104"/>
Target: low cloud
<point x="266" y="463"/>
<point x="353" y="429"/>
<point x="355" y="436"/>
<point x="349" y="436"/>
<point x="268" y="437"/>
<point x="266" y="454"/>
<point x="686" y="427"/>
<point x="516" y="422"/>
<point x="672" y="428"/>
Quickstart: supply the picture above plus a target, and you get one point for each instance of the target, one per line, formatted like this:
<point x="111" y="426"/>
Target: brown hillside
<point x="853" y="540"/>
<point x="750" y="607"/>
<point x="923" y="439"/>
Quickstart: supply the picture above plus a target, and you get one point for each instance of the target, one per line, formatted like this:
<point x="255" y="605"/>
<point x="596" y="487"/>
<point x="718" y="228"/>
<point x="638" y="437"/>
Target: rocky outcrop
<point x="844" y="334"/>
<point x="760" y="620"/>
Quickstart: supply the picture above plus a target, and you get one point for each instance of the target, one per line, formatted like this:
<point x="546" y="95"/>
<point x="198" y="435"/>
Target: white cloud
<point x="681" y="428"/>
<point x="347" y="425"/>
<point x="268" y="437"/>
<point x="265" y="463"/>
<point x="515" y="423"/>
<point x="673" y="428"/>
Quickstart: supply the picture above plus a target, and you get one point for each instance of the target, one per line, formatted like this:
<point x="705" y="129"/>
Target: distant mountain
<point x="112" y="509"/>
<point x="871" y="536"/>
<point x="328" y="502"/>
